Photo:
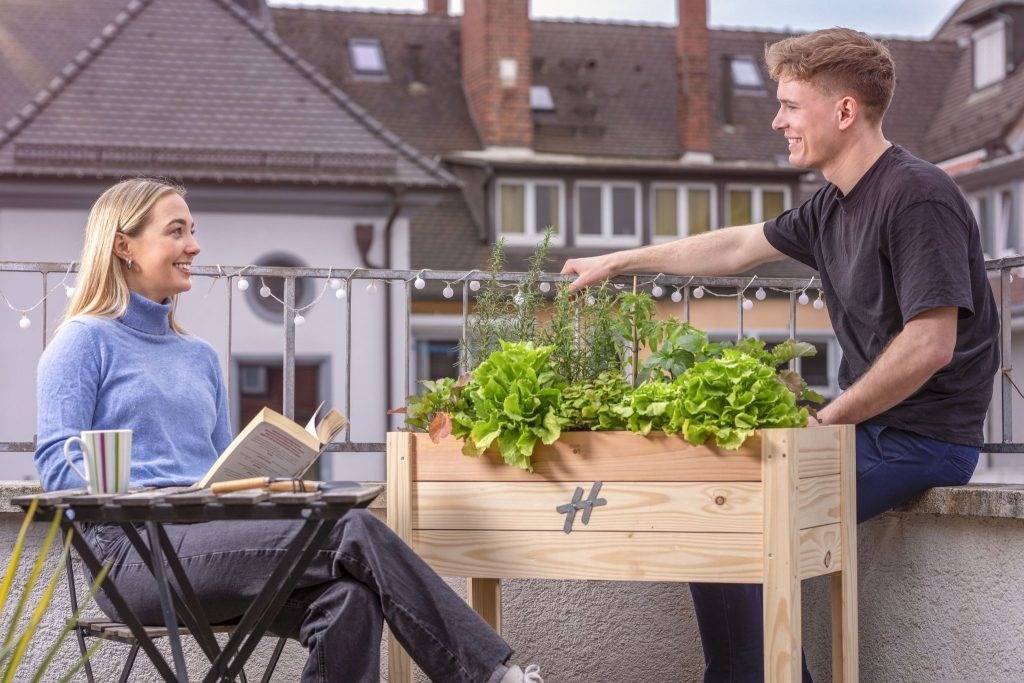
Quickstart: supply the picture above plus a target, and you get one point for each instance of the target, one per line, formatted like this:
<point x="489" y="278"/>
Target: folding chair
<point x="101" y="627"/>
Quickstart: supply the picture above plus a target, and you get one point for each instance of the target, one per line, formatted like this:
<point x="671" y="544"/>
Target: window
<point x="607" y="213"/>
<point x="745" y="73"/>
<point x="1004" y="234"/>
<point x="747" y="204"/>
<point x="526" y="208"/>
<point x="681" y="210"/>
<point x="436" y="358"/>
<point x="989" y="54"/>
<point x="366" y="57"/>
<point x="540" y="98"/>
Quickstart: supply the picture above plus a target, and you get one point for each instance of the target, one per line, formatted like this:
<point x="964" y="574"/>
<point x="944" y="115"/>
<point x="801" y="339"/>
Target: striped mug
<point x="107" y="454"/>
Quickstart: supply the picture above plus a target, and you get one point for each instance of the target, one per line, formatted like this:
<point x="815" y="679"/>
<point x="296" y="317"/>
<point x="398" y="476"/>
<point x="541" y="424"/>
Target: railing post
<point x="289" y="347"/>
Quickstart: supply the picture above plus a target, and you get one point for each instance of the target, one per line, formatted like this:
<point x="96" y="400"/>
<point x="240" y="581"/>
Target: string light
<point x="591" y="301"/>
<point x="760" y="294"/>
<point x="657" y="291"/>
<point x="334" y="282"/>
<point x="264" y="291"/>
<point x="803" y="299"/>
<point x="677" y="296"/>
<point x="69" y="291"/>
<point x="341" y="293"/>
<point x="519" y="298"/>
<point x="299" y="319"/>
<point x="24" y="323"/>
<point x="448" y="292"/>
<point x="475" y="285"/>
<point x="419" y="283"/>
<point x="747" y="304"/>
<point x="544" y="286"/>
<point x="371" y="288"/>
<point x="243" y="284"/>
<point x="698" y="292"/>
<point x="819" y="303"/>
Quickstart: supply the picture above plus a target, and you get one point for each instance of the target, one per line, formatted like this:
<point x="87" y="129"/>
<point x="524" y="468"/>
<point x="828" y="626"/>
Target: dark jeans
<point x="364" y="575"/>
<point x="892" y="466"/>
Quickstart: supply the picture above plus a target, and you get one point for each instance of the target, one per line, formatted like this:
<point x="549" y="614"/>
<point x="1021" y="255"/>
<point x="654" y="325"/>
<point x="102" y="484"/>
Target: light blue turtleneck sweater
<point x="136" y="373"/>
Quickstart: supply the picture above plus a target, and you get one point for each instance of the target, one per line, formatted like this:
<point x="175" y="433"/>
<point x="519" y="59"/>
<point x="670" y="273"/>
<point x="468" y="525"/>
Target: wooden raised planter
<point x="779" y="510"/>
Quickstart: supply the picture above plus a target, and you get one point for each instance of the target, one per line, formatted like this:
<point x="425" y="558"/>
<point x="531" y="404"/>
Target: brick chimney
<point x="496" y="70"/>
<point x="437" y="7"/>
<point x="692" y="54"/>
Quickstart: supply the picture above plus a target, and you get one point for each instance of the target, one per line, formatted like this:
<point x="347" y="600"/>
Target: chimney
<point x="692" y="54"/>
<point x="437" y="7"/>
<point x="496" y="70"/>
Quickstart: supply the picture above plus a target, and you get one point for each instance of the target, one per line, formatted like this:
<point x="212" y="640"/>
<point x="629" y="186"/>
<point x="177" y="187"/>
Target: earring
<point x="129" y="263"/>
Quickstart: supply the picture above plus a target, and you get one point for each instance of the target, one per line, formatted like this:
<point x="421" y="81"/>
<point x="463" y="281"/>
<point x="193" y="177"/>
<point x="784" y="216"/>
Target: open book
<point x="271" y="445"/>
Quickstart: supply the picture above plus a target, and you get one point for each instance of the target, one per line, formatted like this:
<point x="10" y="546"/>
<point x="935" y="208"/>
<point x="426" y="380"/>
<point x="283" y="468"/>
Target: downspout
<point x="364" y="244"/>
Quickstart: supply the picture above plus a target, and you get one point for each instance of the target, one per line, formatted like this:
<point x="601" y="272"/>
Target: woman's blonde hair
<point x="101" y="288"/>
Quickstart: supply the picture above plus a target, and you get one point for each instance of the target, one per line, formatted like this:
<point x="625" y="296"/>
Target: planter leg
<point x="844" y="584"/>
<point x="484" y="596"/>
<point x="782" y="637"/>
<point x="399" y="502"/>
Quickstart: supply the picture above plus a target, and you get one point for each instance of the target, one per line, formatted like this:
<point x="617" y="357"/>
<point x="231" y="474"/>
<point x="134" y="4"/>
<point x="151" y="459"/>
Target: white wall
<point x="227" y="239"/>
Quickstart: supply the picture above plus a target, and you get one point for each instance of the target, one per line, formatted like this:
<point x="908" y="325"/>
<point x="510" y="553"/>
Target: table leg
<point x="166" y="604"/>
<point x="124" y="611"/>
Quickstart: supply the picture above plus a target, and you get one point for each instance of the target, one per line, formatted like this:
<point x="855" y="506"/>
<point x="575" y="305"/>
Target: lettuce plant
<point x="595" y="404"/>
<point x="727" y="398"/>
<point x="514" y="398"/>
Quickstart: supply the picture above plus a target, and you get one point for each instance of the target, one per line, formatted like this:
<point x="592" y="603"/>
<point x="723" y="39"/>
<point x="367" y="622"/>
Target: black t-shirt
<point x="903" y="241"/>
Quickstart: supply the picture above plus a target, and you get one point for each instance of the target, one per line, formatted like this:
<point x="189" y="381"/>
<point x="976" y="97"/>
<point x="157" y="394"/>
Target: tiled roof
<point x="967" y="119"/>
<point x="196" y="89"/>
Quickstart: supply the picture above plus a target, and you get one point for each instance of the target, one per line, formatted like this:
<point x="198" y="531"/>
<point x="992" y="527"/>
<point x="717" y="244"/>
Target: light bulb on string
<point x="371" y="288"/>
<point x="24" y="323"/>
<point x="265" y="291"/>
<point x="519" y="298"/>
<point x="677" y="296"/>
<point x="69" y="291"/>
<point x="819" y="303"/>
<point x="747" y="304"/>
<point x="243" y="284"/>
<point x="698" y="292"/>
<point x="657" y="291"/>
<point x="760" y="294"/>
<point x="545" y="287"/>
<point x="298" y="319"/>
<point x="341" y="293"/>
<point x="474" y="285"/>
<point x="419" y="283"/>
<point x="803" y="299"/>
<point x="335" y="283"/>
<point x="448" y="292"/>
<point x="591" y="301"/>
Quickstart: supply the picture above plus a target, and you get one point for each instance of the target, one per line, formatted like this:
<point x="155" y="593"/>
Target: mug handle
<point x="67" y="456"/>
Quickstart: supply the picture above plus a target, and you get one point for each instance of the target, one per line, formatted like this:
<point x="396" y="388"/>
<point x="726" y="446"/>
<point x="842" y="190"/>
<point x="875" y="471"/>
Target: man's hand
<point x="591" y="270"/>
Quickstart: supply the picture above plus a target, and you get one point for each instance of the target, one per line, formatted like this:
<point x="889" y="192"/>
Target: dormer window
<point x="366" y="57"/>
<point x="540" y="98"/>
<point x="745" y="74"/>
<point x="990" y="55"/>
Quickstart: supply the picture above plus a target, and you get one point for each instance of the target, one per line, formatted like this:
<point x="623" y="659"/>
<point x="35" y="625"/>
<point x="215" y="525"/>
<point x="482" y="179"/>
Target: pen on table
<point x="266" y="484"/>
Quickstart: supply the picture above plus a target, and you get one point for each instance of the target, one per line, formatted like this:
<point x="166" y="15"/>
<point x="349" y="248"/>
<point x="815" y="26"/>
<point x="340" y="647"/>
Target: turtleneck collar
<point x="147" y="316"/>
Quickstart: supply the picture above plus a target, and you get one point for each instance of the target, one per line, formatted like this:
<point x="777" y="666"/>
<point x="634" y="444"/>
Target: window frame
<point x="756" y="199"/>
<point x="607" y="237"/>
<point x="997" y="26"/>
<point x="745" y="87"/>
<point x="531" y="233"/>
<point x="352" y="62"/>
<point x="682" y="208"/>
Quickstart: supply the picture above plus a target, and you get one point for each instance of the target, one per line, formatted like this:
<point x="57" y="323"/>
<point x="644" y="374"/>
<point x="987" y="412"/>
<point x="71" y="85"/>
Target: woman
<point x="120" y="360"/>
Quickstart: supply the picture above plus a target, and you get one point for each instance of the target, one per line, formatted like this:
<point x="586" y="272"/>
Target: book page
<point x="329" y="427"/>
<point x="311" y="425"/>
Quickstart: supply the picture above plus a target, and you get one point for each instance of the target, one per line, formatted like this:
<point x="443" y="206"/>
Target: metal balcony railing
<point x="52" y="273"/>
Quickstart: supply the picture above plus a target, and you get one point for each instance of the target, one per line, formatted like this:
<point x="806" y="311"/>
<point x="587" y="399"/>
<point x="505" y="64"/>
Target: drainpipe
<point x="364" y="241"/>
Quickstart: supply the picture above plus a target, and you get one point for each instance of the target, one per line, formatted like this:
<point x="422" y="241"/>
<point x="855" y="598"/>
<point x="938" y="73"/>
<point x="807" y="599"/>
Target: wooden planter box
<point x="779" y="510"/>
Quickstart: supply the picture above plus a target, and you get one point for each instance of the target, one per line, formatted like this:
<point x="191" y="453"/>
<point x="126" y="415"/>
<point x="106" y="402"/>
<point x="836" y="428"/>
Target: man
<point x="899" y="255"/>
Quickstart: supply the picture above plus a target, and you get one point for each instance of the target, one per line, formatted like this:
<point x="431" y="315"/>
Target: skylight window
<point x="366" y="57"/>
<point x="540" y="98"/>
<point x="989" y="54"/>
<point x="745" y="73"/>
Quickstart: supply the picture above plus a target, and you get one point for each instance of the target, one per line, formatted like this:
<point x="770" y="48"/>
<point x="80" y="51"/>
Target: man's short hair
<point x="839" y="61"/>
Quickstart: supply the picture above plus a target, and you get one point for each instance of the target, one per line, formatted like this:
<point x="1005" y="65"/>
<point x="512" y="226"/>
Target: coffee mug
<point x="107" y="454"/>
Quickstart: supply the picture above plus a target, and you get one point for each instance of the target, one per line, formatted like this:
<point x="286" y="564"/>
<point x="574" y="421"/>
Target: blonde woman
<point x="120" y="360"/>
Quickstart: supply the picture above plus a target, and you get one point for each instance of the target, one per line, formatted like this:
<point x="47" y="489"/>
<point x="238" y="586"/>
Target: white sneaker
<point x="517" y="675"/>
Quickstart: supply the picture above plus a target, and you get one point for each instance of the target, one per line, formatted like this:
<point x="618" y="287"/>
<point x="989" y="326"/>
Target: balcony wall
<point x="940" y="600"/>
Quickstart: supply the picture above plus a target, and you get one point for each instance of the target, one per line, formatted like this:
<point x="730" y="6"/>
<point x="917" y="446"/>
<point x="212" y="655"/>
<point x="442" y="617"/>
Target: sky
<point x="912" y="18"/>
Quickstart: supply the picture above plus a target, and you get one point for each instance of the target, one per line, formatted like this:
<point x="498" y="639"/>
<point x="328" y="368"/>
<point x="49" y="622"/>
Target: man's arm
<point x="718" y="252"/>
<point x="923" y="347"/>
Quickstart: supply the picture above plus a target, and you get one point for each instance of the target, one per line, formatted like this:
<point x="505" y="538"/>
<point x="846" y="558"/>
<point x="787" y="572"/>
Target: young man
<point x="901" y="266"/>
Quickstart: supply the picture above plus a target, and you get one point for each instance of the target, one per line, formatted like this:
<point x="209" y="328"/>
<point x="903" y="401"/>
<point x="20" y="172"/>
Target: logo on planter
<point x="578" y="503"/>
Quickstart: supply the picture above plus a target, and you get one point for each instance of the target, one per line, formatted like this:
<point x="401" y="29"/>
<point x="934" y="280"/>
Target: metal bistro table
<point x="154" y="507"/>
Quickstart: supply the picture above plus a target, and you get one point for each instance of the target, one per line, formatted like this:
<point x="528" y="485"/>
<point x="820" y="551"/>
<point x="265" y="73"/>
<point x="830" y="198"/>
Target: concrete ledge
<point x="974" y="500"/>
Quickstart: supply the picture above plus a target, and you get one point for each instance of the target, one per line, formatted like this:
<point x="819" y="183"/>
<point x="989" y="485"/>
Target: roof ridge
<point x="71" y="70"/>
<point x="338" y="95"/>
